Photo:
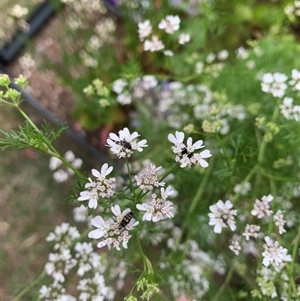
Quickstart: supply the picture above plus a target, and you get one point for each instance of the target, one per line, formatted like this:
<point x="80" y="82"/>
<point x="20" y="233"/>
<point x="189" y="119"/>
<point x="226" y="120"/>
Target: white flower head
<point x="147" y="179"/>
<point x="262" y="208"/>
<point x="101" y="187"/>
<point x="185" y="153"/>
<point x="279" y="221"/>
<point x="170" y="24"/>
<point x="145" y="29"/>
<point x="274" y="83"/>
<point x="125" y="144"/>
<point x="159" y="207"/>
<point x="274" y="253"/>
<point x="184" y="38"/>
<point x="235" y="247"/>
<point x="153" y="45"/>
<point x="63" y="236"/>
<point x="222" y="216"/>
<point x="295" y="82"/>
<point x="114" y="233"/>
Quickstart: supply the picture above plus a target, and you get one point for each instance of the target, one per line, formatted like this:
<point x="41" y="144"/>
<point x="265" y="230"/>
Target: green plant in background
<point x="207" y="208"/>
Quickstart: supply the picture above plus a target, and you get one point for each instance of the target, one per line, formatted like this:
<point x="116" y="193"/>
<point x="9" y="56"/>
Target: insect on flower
<point x="126" y="220"/>
<point x="125" y="144"/>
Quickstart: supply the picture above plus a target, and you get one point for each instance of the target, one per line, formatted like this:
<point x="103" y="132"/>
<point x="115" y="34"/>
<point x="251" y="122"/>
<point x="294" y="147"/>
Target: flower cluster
<point x="114" y="232"/>
<point x="100" y="188"/>
<point x="274" y="83"/>
<point x="289" y="110"/>
<point x="159" y="207"/>
<point x="185" y="153"/>
<point x="147" y="179"/>
<point x="124" y="144"/>
<point x="170" y="24"/>
<point x="262" y="208"/>
<point x="222" y="216"/>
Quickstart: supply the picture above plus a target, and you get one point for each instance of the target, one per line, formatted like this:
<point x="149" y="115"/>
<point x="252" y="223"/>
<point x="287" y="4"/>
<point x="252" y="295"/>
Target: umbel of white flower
<point x="185" y="153"/>
<point x="114" y="232"/>
<point x="222" y="216"/>
<point x="101" y="187"/>
<point x="125" y="144"/>
<point x="159" y="207"/>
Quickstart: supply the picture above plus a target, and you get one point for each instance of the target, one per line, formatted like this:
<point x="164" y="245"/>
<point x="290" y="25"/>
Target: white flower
<point x="124" y="144"/>
<point x="80" y="214"/>
<point x="63" y="236"/>
<point x="274" y="253"/>
<point x="251" y="231"/>
<point x="242" y="188"/>
<point x="124" y="98"/>
<point x="153" y="45"/>
<point x="86" y="257"/>
<point x="274" y="83"/>
<point x="114" y="232"/>
<point x="100" y="188"/>
<point x="295" y="82"/>
<point x="119" y="85"/>
<point x="145" y="29"/>
<point x="93" y="288"/>
<point x="235" y="247"/>
<point x="170" y="24"/>
<point x="262" y="208"/>
<point x="159" y="208"/>
<point x="222" y="216"/>
<point x="59" y="265"/>
<point x="184" y="38"/>
<point x="147" y="179"/>
<point x="288" y="110"/>
<point x="210" y="58"/>
<point x="168" y="53"/>
<point x="279" y="221"/>
<point x="242" y="53"/>
<point x="223" y="55"/>
<point x="185" y="154"/>
<point x="149" y="81"/>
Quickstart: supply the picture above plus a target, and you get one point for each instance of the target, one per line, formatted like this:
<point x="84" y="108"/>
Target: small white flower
<point x="124" y="98"/>
<point x="222" y="216"/>
<point x="274" y="253"/>
<point x="119" y="85"/>
<point x="63" y="236"/>
<point x="184" y="38"/>
<point x="147" y="179"/>
<point x="124" y="144"/>
<point x="145" y="29"/>
<point x="242" y="188"/>
<point x="279" y="221"/>
<point x="113" y="232"/>
<point x="100" y="188"/>
<point x="153" y="45"/>
<point x="170" y="24"/>
<point x="80" y="214"/>
<point x="235" y="247"/>
<point x="168" y="53"/>
<point x="295" y="82"/>
<point x="274" y="83"/>
<point x="159" y="208"/>
<point x="262" y="208"/>
<point x="223" y="55"/>
<point x="251" y="231"/>
<point x="210" y="58"/>
<point x="242" y="53"/>
<point x="185" y="154"/>
<point x="149" y="82"/>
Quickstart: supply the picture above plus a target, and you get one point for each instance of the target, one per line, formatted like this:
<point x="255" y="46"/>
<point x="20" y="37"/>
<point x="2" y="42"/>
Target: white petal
<point x="98" y="222"/>
<point x="93" y="203"/>
<point x="113" y="136"/>
<point x="142" y="207"/>
<point x="172" y="138"/>
<point x="205" y="154"/>
<point x="101" y="244"/>
<point x="116" y="210"/>
<point x="198" y="144"/>
<point x="179" y="136"/>
<point x="96" y="173"/>
<point x="96" y="234"/>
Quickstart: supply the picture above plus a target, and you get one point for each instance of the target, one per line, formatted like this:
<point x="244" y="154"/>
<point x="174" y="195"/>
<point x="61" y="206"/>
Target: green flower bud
<point x="4" y="80"/>
<point x="21" y="81"/>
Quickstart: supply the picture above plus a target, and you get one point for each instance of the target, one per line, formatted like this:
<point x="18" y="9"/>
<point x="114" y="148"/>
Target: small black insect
<point x="185" y="152"/>
<point x="126" y="220"/>
<point x="125" y="144"/>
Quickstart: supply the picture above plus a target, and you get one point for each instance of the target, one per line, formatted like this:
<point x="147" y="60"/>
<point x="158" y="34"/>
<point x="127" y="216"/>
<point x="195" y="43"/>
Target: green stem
<point x="292" y="286"/>
<point x="30" y="286"/>
<point x="130" y="179"/>
<point x="225" y="284"/>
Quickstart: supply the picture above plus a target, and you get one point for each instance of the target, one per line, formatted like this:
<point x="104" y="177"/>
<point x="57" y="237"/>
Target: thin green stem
<point x="30" y="286"/>
<point x="225" y="284"/>
<point x="130" y="179"/>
